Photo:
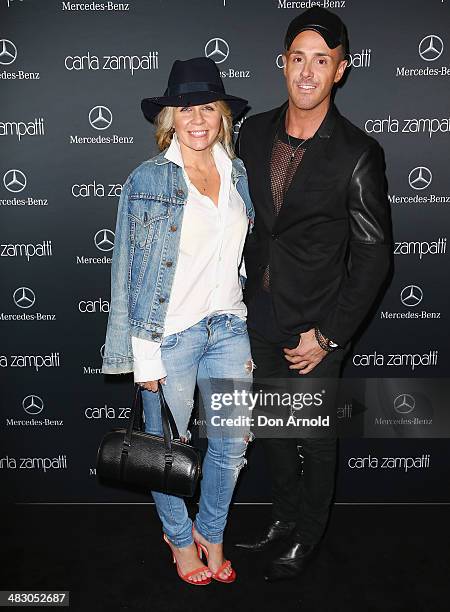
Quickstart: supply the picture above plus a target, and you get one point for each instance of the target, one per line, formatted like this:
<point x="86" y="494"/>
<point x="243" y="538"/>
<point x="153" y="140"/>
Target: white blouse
<point x="206" y="279"/>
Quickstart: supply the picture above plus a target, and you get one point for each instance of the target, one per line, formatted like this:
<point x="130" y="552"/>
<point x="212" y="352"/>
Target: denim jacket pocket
<point x="146" y="217"/>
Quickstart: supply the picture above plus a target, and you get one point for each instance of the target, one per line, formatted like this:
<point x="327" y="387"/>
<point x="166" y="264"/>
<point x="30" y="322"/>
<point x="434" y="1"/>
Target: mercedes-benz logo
<point x="104" y="240"/>
<point x="14" y="180"/>
<point x="217" y="49"/>
<point x="411" y="296"/>
<point x="431" y="47"/>
<point x="404" y="403"/>
<point x="8" y="52"/>
<point x="32" y="404"/>
<point x="420" y="177"/>
<point x="24" y="297"/>
<point x="100" y="117"/>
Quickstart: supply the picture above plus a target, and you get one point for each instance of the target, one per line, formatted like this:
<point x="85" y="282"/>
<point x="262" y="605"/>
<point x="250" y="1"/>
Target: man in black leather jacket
<point x="315" y="262"/>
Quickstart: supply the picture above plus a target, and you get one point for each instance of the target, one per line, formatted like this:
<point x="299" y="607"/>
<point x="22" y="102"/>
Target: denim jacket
<point x="146" y="245"/>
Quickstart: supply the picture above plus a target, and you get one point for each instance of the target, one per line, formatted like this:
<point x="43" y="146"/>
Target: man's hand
<point x="306" y="355"/>
<point x="152" y="385"/>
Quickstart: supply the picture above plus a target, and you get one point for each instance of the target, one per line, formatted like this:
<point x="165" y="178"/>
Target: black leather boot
<point x="291" y="562"/>
<point x="277" y="531"/>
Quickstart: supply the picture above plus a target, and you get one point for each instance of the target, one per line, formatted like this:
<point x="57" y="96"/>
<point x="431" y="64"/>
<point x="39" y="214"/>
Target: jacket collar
<point x="237" y="169"/>
<point x="160" y="159"/>
<point x="325" y="129"/>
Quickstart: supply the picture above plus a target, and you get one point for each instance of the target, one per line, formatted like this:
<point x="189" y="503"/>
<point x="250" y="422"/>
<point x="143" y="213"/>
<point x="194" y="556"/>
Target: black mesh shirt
<point x="287" y="154"/>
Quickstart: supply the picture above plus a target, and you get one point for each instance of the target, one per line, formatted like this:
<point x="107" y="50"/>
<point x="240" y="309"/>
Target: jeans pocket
<point x="237" y="325"/>
<point x="170" y="342"/>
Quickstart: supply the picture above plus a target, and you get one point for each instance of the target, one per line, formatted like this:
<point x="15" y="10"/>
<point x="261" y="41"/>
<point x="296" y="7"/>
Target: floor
<point x="111" y="557"/>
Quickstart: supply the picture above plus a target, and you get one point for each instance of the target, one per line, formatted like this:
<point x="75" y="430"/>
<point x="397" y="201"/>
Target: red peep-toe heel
<point x="225" y="565"/>
<point x="186" y="577"/>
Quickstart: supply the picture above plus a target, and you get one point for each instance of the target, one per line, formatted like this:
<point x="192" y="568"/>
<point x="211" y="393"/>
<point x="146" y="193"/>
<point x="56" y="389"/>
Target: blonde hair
<point x="165" y="120"/>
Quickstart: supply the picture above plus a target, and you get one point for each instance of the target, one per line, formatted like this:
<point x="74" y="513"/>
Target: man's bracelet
<point x="325" y="343"/>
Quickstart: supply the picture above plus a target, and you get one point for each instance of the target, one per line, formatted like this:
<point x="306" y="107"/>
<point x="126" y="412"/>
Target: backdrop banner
<point x="71" y="130"/>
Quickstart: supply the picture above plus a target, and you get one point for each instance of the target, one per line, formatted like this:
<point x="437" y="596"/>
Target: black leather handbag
<point x="157" y="463"/>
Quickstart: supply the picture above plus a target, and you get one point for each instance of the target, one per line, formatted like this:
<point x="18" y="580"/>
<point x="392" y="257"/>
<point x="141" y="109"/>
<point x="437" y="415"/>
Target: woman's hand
<point x="152" y="385"/>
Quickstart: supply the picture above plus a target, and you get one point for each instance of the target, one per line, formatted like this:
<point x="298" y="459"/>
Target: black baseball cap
<point x="324" y="22"/>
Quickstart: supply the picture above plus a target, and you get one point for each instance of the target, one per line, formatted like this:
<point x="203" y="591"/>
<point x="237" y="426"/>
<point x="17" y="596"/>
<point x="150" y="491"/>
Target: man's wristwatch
<point x="325" y="343"/>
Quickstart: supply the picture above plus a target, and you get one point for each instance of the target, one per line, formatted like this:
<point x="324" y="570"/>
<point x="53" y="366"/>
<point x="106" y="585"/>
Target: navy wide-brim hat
<point x="192" y="82"/>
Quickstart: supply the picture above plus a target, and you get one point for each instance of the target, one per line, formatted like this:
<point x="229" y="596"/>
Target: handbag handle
<point x="166" y="415"/>
<point x="136" y="423"/>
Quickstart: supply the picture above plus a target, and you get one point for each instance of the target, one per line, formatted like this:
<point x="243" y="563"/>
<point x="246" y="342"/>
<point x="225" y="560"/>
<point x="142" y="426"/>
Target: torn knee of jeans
<point x="239" y="467"/>
<point x="186" y="438"/>
<point x="249" y="437"/>
<point x="250" y="365"/>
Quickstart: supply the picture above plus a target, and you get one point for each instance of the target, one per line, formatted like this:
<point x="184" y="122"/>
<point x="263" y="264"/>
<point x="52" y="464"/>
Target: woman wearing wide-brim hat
<point x="177" y="314"/>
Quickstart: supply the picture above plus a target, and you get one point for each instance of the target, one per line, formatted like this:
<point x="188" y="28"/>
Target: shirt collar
<point x="325" y="129"/>
<point x="173" y="154"/>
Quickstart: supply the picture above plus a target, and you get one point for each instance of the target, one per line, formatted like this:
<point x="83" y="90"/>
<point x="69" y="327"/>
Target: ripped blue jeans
<point x="217" y="347"/>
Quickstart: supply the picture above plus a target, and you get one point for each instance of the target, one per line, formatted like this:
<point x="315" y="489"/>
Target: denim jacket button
<point x="168" y="264"/>
<point x="173" y="228"/>
<point x="180" y="193"/>
<point x="162" y="300"/>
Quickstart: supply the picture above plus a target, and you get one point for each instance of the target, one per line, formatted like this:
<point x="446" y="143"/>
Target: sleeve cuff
<point x="325" y="331"/>
<point x="147" y="361"/>
<point x="148" y="369"/>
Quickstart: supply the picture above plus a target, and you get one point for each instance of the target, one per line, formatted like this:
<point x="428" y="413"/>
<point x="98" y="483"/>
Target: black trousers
<point x="303" y="498"/>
